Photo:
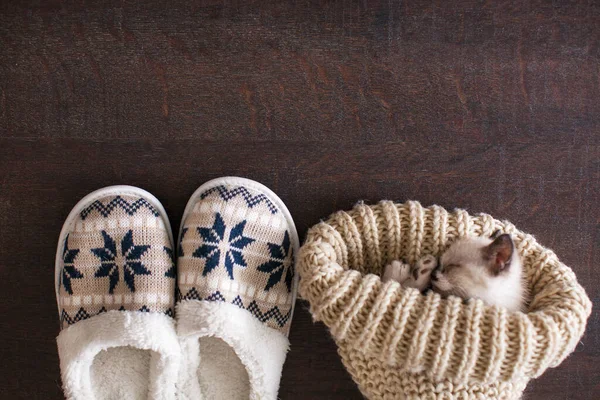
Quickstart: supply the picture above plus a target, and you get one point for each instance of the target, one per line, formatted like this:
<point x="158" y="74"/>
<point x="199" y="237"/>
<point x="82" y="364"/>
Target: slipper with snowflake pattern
<point x="236" y="290"/>
<point x="115" y="283"/>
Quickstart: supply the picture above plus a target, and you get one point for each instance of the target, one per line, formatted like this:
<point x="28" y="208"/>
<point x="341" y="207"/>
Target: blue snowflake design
<point x="171" y="273"/>
<point x="273" y="313"/>
<point x="180" y="249"/>
<point x="79" y="316"/>
<point x="108" y="260"/>
<point x="69" y="271"/>
<point x="251" y="200"/>
<point x="238" y="302"/>
<point x="118" y="201"/>
<point x="216" y="296"/>
<point x="192" y="294"/>
<point x="276" y="264"/>
<point x="213" y="240"/>
<point x="83" y="314"/>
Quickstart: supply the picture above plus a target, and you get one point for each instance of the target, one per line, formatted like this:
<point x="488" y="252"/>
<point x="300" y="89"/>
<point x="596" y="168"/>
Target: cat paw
<point x="397" y="271"/>
<point x="421" y="273"/>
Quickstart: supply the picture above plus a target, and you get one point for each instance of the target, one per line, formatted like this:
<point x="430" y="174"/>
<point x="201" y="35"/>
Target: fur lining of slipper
<point x="98" y="359"/>
<point x="261" y="349"/>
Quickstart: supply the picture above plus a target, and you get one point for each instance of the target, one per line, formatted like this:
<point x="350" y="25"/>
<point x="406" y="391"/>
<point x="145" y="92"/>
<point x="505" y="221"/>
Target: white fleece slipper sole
<point x="116" y="354"/>
<point x="235" y="311"/>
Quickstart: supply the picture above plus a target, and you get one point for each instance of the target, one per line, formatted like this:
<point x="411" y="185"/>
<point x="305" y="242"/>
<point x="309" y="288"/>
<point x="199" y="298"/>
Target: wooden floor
<point x="490" y="106"/>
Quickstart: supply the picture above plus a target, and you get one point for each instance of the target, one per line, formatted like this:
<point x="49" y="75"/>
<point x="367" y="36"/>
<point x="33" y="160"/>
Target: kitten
<point x="472" y="267"/>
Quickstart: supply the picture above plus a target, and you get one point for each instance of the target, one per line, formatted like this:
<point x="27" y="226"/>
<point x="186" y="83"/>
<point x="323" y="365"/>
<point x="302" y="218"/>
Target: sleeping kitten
<point x="472" y="267"/>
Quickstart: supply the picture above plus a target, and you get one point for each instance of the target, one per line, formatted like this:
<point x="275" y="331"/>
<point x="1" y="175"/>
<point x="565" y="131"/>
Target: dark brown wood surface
<point x="491" y="106"/>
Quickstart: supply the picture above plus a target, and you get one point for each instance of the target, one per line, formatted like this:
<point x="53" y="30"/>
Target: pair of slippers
<point x="144" y="319"/>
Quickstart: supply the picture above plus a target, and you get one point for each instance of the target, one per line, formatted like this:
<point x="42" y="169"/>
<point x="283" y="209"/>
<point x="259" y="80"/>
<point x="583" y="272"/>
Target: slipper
<point x="115" y="282"/>
<point x="236" y="291"/>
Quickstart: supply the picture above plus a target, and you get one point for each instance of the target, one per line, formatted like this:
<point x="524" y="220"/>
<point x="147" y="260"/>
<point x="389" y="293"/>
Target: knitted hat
<point x="398" y="343"/>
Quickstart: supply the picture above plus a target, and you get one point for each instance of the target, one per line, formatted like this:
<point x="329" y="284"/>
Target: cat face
<point x="482" y="268"/>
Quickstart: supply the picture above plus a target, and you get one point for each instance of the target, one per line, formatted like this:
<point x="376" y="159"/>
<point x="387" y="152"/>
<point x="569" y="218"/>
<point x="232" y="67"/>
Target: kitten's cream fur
<point x="472" y="267"/>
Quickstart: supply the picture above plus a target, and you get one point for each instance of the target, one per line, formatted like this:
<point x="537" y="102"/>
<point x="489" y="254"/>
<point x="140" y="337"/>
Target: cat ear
<point x="496" y="233"/>
<point x="499" y="253"/>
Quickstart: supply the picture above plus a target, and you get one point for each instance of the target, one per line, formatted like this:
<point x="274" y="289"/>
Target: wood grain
<point x="489" y="106"/>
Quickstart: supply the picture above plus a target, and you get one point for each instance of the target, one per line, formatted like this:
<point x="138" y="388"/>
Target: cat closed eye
<point x="448" y="267"/>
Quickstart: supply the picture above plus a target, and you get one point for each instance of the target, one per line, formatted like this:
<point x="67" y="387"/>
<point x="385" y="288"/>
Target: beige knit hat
<point x="397" y="343"/>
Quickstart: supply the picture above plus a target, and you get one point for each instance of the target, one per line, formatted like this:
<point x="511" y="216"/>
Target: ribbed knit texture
<point x="397" y="343"/>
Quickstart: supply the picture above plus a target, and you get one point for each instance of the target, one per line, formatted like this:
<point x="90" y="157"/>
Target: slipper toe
<point x="236" y="290"/>
<point x="115" y="282"/>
